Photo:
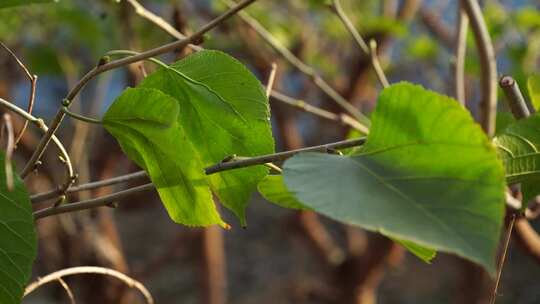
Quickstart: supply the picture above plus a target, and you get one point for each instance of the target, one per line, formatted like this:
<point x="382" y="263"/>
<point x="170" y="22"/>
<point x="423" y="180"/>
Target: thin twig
<point x="68" y="290"/>
<point x="368" y="51"/>
<point x="40" y="197"/>
<point x="461" y="52"/>
<point x="301" y="66"/>
<point x="514" y="97"/>
<point x="343" y="118"/>
<point x="259" y="160"/>
<point x="81" y="117"/>
<point x="31" y="98"/>
<point x="106" y="200"/>
<point x="132" y="283"/>
<point x="10" y="146"/>
<point x="106" y="66"/>
<point x="338" y="10"/>
<point x="271" y="79"/>
<point x="133" y="53"/>
<point x="503" y="257"/>
<point x="70" y="175"/>
<point x="488" y="75"/>
<point x="376" y="64"/>
<point x="160" y="22"/>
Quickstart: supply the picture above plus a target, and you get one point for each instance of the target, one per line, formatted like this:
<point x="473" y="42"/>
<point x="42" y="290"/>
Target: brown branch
<point x="271" y="79"/>
<point x="343" y="118"/>
<point x="460" y="51"/>
<point x="368" y="51"/>
<point x="514" y="97"/>
<point x="40" y="197"/>
<point x="32" y="96"/>
<point x="214" y="266"/>
<point x="376" y="64"/>
<point x="70" y="176"/>
<point x="90" y="270"/>
<point x="503" y="257"/>
<point x="263" y="159"/>
<point x="488" y="76"/>
<point x="106" y="200"/>
<point x="68" y="290"/>
<point x="7" y="126"/>
<point x="319" y="238"/>
<point x="527" y="238"/>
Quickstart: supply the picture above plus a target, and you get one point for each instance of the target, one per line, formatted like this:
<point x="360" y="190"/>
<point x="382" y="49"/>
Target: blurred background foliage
<point x="60" y="41"/>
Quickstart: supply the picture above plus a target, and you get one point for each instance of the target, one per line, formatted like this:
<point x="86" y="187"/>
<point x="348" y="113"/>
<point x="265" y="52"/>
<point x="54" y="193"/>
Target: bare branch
<point x="514" y="97"/>
<point x="368" y="51"/>
<point x="70" y="175"/>
<point x="304" y="106"/>
<point x="106" y="200"/>
<point x="461" y="52"/>
<point x="260" y="160"/>
<point x="338" y="10"/>
<point x="55" y="276"/>
<point x="106" y="66"/>
<point x="271" y="79"/>
<point x="40" y="197"/>
<point x="31" y="97"/>
<point x="376" y="64"/>
<point x="503" y="257"/>
<point x="528" y="238"/>
<point x="10" y="146"/>
<point x="160" y="22"/>
<point x="488" y="76"/>
<point x="68" y="290"/>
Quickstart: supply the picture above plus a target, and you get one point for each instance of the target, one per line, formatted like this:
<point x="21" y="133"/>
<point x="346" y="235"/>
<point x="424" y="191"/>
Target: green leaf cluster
<point x="191" y="115"/>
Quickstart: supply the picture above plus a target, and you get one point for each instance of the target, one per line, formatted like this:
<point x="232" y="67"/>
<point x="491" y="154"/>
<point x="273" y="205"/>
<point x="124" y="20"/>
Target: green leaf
<point x="18" y="242"/>
<point x="224" y="111"/>
<point x="423" y="253"/>
<point x="145" y="123"/>
<point x="533" y="85"/>
<point x="11" y="3"/>
<point x="427" y="174"/>
<point x="273" y="189"/>
<point x="519" y="148"/>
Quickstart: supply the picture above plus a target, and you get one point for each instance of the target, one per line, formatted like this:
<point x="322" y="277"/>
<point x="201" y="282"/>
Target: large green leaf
<point x="273" y="189"/>
<point x="18" y="243"/>
<point x="224" y="111"/>
<point x="427" y="174"/>
<point x="145" y="123"/>
<point x="10" y="3"/>
<point x="519" y="148"/>
<point x="533" y="85"/>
